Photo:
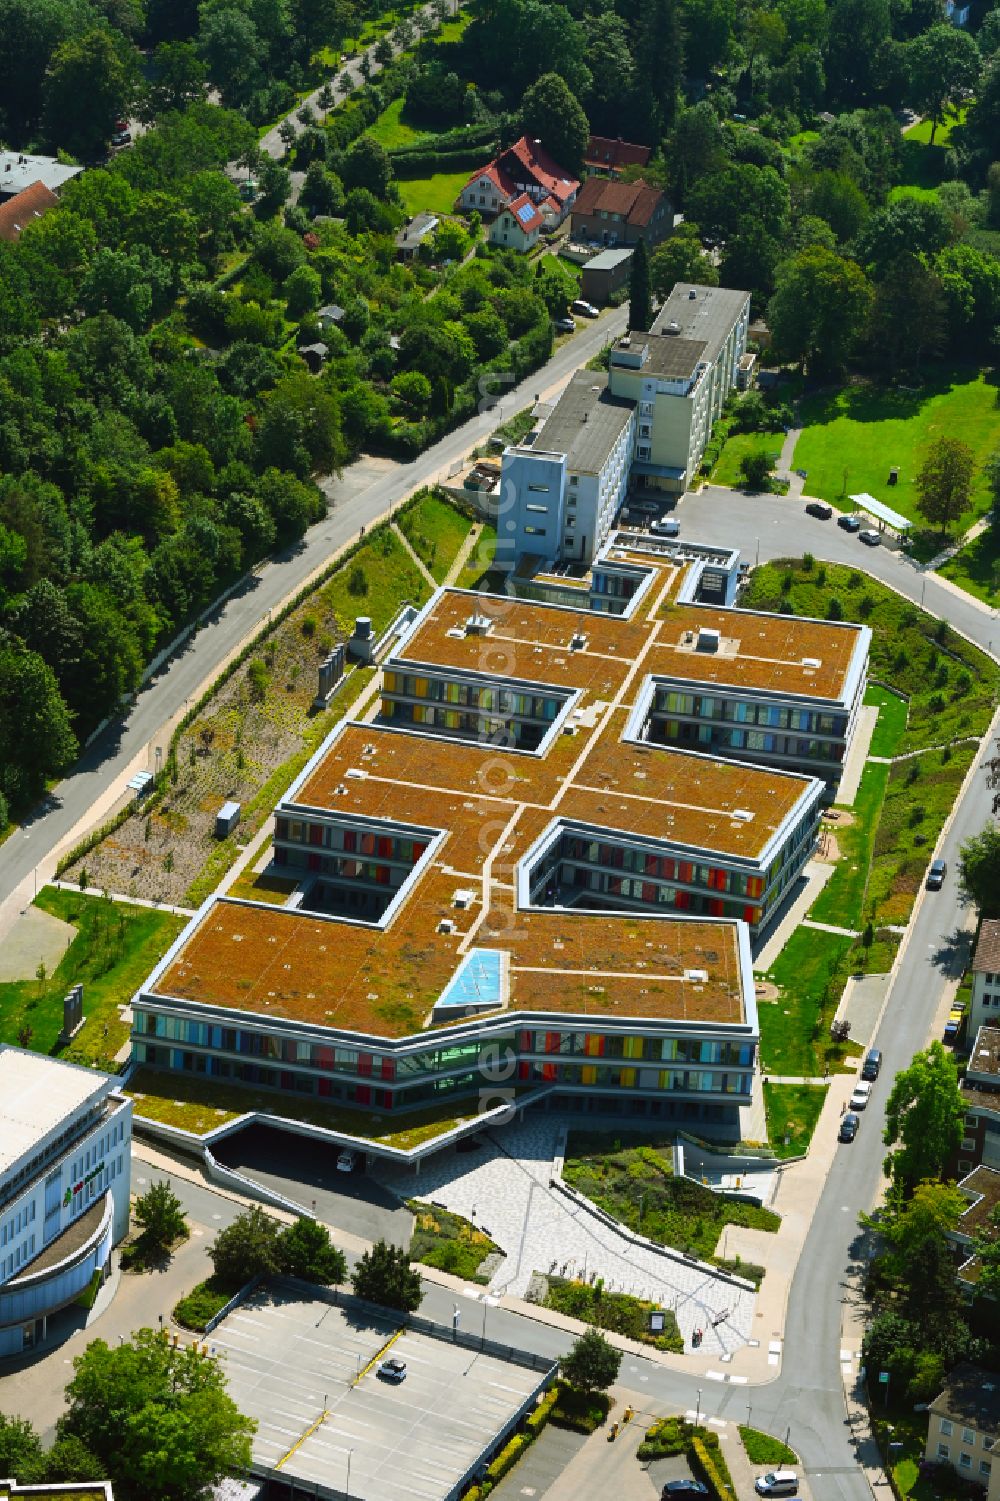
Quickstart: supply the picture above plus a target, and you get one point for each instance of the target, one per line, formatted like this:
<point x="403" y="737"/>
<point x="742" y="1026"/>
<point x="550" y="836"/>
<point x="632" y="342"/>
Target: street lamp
<point x="349" y="1453"/>
<point x="749" y="1409"/>
<point x="697" y="1410"/>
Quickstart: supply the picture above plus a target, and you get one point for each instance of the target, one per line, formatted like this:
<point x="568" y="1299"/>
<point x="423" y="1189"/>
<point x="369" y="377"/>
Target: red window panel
<point x="755" y="886"/>
<point x="682" y="899"/>
<point x="315" y="833"/>
<point x="524" y="1070"/>
<point x="385" y="848"/>
<point x="650" y="865"/>
<point x="313" y="861"/>
<point x="368" y="844"/>
<point x="324" y="1088"/>
<point x="525" y="1042"/>
<point x="717" y="907"/>
<point x="667" y="867"/>
<point x="615" y="885"/>
<point x="388" y="1068"/>
<point x="751" y="914"/>
<point x="648" y="891"/>
<point x="418" y="850"/>
<point x="364" y="1064"/>
<point x="382" y="875"/>
<point x="324" y="1056"/>
<point x="685" y="870"/>
<point x="285" y="1079"/>
<point x="549" y="1072"/>
<point x="552" y="1040"/>
<point x="350" y="840"/>
<point x="385" y="1098"/>
<point x="363" y="1094"/>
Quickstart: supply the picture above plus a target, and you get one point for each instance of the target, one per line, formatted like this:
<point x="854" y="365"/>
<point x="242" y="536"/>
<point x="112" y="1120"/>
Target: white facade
<point x="65" y="1158"/>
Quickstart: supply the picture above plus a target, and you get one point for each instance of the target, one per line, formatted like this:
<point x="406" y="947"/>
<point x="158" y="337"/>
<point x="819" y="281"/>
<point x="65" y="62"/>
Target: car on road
<point x="565" y="325"/>
<point x="393" y="1369"/>
<point x="683" y="1490"/>
<point x="347" y="1161"/>
<point x="872" y="1065"/>
<point x="849" y="1124"/>
<point x="849" y="523"/>
<point x="122" y="138"/>
<point x="777" y="1483"/>
<point x="870" y="537"/>
<point x="862" y="1094"/>
<point x="819" y="509"/>
<point x="936" y="874"/>
<point x="585" y="309"/>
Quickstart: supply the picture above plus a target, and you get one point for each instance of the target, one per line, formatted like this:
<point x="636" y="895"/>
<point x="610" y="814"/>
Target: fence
<point x="234" y="1302"/>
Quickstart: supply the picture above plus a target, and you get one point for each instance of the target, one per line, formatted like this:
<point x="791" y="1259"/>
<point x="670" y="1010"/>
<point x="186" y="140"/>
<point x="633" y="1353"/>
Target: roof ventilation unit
<point x="577" y="641"/>
<point x="446" y="925"/>
<point x="478" y="625"/>
<point x="707" y="640"/>
<point x="812" y="663"/>
<point x="701" y="975"/>
<point x="742" y="815"/>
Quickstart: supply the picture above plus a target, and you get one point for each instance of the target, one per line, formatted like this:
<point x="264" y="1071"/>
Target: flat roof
<point x="669" y="355"/>
<point x="707" y="313"/>
<point x="985" y="1055"/>
<point x="882" y="512"/>
<point x="585" y="423"/>
<point x="607" y="260"/>
<point x="19" y="170"/>
<point x="36" y="1095"/>
<point x="292" y="1363"/>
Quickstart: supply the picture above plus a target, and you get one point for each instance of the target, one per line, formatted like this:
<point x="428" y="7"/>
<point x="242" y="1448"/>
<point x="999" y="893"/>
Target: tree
<point x="158" y="1211"/>
<point x="640" y="298"/>
<point x="681" y="258"/>
<point x="91" y="82"/>
<point x="305" y="1250"/>
<point x="245" y="1249"/>
<point x="755" y="470"/>
<point x="979" y="870"/>
<point x="721" y="200"/>
<point x="697" y="148"/>
<point x="178" y="78"/>
<point x="384" y="1275"/>
<point x="819" y="308"/>
<point x="908" y="318"/>
<point x="303" y="292"/>
<point x="158" y="1418"/>
<point x="551" y="114"/>
<point x="592" y="1364"/>
<point x="923" y="1119"/>
<point x="943" y="64"/>
<point x="20" y="1450"/>
<point x="944" y="483"/>
<point x="659" y="63"/>
<point x="36" y="741"/>
<point x="986" y="1249"/>
<point x="367" y="165"/>
<point x="232" y="51"/>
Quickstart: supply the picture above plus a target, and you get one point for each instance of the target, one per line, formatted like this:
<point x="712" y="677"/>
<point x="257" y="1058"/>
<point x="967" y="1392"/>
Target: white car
<point x="862" y="1094"/>
<point x="584" y="309"/>
<point x="346" y="1161"/>
<point x="870" y="537"/>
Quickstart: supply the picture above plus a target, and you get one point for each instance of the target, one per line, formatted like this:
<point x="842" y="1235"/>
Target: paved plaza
<point x="307" y="1371"/>
<point x="504" y="1188"/>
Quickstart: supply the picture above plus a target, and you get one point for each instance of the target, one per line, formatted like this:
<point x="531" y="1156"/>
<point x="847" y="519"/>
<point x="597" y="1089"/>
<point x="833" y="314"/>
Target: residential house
<point x="981" y="1098"/>
<point x="679" y="374"/>
<point x="605" y="274"/>
<point x="315" y="356"/>
<point x="525" y="167"/>
<point x="608" y="158"/>
<point x="984" y="1004"/>
<point x="518" y="226"/>
<point x="981" y="1188"/>
<point x="620" y="213"/>
<point x="963" y="1423"/>
<point x="20" y="171"/>
<point x="17" y="213"/>
<point x="413" y="234"/>
<point x="330" y="316"/>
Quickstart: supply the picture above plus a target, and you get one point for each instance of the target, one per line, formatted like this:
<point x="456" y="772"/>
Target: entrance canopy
<point x="881" y="512"/>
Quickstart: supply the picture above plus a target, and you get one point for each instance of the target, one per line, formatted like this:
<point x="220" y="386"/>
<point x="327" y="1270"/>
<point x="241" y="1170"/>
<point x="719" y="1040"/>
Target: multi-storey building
<point x="984" y="1003"/>
<point x="980" y="1143"/>
<point x="65" y="1152"/>
<point x="498" y="882"/>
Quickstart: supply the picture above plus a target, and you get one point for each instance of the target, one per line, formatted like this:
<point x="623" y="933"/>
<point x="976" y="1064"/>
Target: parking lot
<point x="290" y="1361"/>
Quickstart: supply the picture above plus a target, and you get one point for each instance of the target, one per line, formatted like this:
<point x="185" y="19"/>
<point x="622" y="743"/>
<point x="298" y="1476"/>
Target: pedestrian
<point x="843" y="1108"/>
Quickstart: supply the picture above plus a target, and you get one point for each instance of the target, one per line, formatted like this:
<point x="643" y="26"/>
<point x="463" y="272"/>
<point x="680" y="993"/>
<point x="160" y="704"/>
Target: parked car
<point x="862" y="1094"/>
<point x="936" y="874"/>
<point x="666" y="527"/>
<point x="468" y="1144"/>
<point x="681" y="1490"/>
<point x="393" y="1369"/>
<point x="565" y="325"/>
<point x="347" y="1161"/>
<point x="819" y="509"/>
<point x="585" y="309"/>
<point x="849" y="1124"/>
<point x="849" y="523"/>
<point x="870" y="537"/>
<point x="777" y="1483"/>
<point x="122" y="138"/>
<point x="953" y="1025"/>
<point x="872" y="1065"/>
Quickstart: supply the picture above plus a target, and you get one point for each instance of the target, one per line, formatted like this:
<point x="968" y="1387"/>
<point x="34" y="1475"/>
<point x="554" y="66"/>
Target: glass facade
<point x="714" y="722"/>
<point x="469" y="708"/>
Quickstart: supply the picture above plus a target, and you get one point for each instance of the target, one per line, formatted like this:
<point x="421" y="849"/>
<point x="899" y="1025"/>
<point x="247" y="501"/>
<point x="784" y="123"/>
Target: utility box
<point x="226" y="819"/>
<point x="894" y="476"/>
<point x="362" y="644"/>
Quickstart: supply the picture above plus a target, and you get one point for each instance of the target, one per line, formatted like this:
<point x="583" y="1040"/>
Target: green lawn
<point x="479" y="561"/>
<point x="853" y="436"/>
<point x="115" y="948"/>
<point x="449" y="1242"/>
<point x="953" y="686"/>
<point x="435" y="529"/>
<point x="736" y="448"/>
<point x="795" y="1029"/>
<point x="912" y="190"/>
<point x="801" y="138"/>
<point x="792" y="1111"/>
<point x="842" y="899"/>
<point x="379" y="577"/>
<point x="892" y="716"/>
<point x="436" y="193"/>
<point x="391" y="130"/>
<point x="762" y="1449"/>
<point x="942" y="135"/>
<point x="976" y="568"/>
<point x="631" y="1178"/>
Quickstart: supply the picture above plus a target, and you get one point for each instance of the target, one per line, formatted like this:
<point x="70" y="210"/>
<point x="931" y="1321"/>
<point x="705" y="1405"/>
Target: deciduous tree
<point x="979" y="870"/>
<point x="384" y="1275"/>
<point x="944" y="482"/>
<point x="592" y="1364"/>
<point x="552" y="114"/>
<point x="923" y="1119"/>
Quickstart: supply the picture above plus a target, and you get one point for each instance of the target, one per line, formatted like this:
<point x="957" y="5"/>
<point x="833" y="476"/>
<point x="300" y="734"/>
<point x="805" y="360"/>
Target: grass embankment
<point x="618" y="1312"/>
<point x="976" y="567"/>
<point x="391" y="130"/>
<point x="794" y="1030"/>
<point x="435" y="530"/>
<point x="449" y="1242"/>
<point x="633" y="1181"/>
<point x="792" y="1111"/>
<point x="480" y="560"/>
<point x="762" y="1449"/>
<point x="195" y="1104"/>
<point x="115" y="948"/>
<point x="735" y="449"/>
<point x="851" y="437"/>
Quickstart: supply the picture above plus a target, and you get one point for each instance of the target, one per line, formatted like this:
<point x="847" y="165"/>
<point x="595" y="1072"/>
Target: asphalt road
<point x="170" y="690"/>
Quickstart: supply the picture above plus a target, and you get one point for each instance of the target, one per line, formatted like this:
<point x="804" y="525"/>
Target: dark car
<point x="849" y="1124"/>
<point x="872" y="1065"/>
<point x="936" y="874"/>
<point x="468" y="1144"/>
<point x="849" y="523"/>
<point x="679" y="1490"/>
<point x="819" y="509"/>
<point x="393" y="1369"/>
<point x="121" y="138"/>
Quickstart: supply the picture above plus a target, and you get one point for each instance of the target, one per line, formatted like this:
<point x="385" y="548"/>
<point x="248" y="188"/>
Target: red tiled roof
<point x="987" y="955"/>
<point x="529" y="221"/>
<point x="23" y="210"/>
<point x="602" y="151"/>
<point x="636" y="202"/>
<point x="535" y="160"/>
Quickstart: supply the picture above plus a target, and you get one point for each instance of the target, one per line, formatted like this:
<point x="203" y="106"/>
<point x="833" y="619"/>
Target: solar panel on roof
<point x="526" y="213"/>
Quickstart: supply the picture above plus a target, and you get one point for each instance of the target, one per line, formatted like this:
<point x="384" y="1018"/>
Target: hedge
<point x="508" y="1456"/>
<point x="538" y="1419"/>
<point x="451" y="140"/>
<point x="581" y="1412"/>
<point x="704" y="1463"/>
<point x="425" y="160"/>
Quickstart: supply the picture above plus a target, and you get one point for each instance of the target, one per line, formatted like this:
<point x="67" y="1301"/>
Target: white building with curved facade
<point x="65" y="1155"/>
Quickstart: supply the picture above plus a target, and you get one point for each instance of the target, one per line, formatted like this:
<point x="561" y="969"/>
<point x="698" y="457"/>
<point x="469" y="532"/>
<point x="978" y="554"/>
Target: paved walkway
<point x="814" y="877"/>
<point x="129" y="901"/>
<point x="36" y="937"/>
<point x="854" y="766"/>
<point x="829" y="927"/>
<point x="414" y="555"/>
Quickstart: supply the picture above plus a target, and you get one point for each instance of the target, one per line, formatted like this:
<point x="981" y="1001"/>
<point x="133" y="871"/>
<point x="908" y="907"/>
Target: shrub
<point x="582" y="1412"/>
<point x="258" y="679"/>
<point x="508" y="1456"/>
<point x="201" y="1304"/>
<point x="711" y="1466"/>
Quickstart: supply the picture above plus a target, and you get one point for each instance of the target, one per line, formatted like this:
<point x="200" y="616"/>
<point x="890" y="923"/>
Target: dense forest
<point x="159" y="431"/>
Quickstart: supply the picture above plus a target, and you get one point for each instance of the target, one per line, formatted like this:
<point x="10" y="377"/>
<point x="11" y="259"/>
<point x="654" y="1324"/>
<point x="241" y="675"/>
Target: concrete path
<point x="861" y="1005"/>
<point x="414" y="555"/>
<point x="464" y="553"/>
<point x="829" y="927"/>
<point x="854" y="766"/>
<point x="814" y="877"/>
<point x="37" y="937"/>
